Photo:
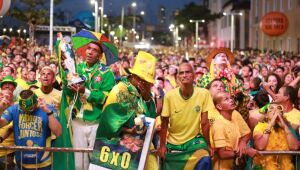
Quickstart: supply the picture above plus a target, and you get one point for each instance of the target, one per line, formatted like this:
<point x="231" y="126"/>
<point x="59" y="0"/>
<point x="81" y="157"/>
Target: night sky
<point x="113" y="7"/>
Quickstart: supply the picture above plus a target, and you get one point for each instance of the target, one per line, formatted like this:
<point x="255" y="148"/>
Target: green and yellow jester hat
<point x="28" y="101"/>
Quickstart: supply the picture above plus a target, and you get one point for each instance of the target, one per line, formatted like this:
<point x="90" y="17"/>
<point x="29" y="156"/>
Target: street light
<point x="4" y="30"/>
<point x="96" y="15"/>
<point x="232" y="26"/>
<point x="133" y="5"/>
<point x="24" y="31"/>
<point x="10" y="29"/>
<point x="19" y="31"/>
<point x="142" y="12"/>
<point x="196" y="29"/>
<point x="174" y="28"/>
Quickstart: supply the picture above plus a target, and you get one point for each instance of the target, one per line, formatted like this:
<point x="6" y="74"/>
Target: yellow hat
<point x="144" y="66"/>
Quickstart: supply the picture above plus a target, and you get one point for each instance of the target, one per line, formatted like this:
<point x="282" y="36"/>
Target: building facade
<point x="233" y="27"/>
<point x="288" y="41"/>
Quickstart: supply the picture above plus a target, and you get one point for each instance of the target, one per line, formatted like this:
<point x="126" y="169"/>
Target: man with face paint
<point x="219" y="61"/>
<point x="33" y="121"/>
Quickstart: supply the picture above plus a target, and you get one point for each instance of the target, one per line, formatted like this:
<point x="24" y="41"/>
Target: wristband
<point x="49" y="113"/>
<point x="267" y="131"/>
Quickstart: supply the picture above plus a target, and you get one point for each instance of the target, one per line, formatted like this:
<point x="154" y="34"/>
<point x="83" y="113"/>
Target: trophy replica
<point x="68" y="61"/>
<point x="140" y="123"/>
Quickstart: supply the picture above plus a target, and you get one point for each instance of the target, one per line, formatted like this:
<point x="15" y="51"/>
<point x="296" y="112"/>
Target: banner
<point x="124" y="152"/>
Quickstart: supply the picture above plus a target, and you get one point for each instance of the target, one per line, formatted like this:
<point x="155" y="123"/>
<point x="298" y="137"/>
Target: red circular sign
<point x="274" y="23"/>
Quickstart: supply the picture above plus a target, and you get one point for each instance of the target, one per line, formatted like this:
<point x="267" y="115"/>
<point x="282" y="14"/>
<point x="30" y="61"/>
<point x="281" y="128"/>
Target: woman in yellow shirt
<point x="274" y="134"/>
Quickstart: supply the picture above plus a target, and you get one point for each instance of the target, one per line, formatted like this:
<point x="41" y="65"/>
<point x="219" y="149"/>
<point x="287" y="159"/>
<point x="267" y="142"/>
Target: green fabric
<point x="122" y="113"/>
<point x="8" y="79"/>
<point x="204" y="81"/>
<point x="32" y="83"/>
<point x="60" y="158"/>
<point x="178" y="160"/>
<point x="27" y="105"/>
<point x="99" y="79"/>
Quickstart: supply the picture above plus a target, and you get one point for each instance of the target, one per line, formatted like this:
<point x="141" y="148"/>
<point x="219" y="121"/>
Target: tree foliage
<point x="34" y="11"/>
<point x="193" y="11"/>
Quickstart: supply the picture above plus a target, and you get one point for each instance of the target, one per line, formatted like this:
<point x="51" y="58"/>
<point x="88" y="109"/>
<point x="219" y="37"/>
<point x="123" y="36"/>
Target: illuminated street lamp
<point x="196" y="29"/>
<point x="95" y="2"/>
<point x="232" y="14"/>
<point x="10" y="29"/>
<point x="4" y="30"/>
<point x="175" y="29"/>
<point x="133" y="5"/>
<point x="19" y="31"/>
<point x="24" y="31"/>
<point x="142" y="12"/>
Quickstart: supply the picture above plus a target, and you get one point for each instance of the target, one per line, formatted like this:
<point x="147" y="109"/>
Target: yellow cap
<point x="144" y="66"/>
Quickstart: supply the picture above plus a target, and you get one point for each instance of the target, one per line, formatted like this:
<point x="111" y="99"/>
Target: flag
<point x="63" y="160"/>
<point x="190" y="155"/>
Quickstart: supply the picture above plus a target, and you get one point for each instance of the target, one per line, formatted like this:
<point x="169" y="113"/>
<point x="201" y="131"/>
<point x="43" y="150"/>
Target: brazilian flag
<point x="190" y="155"/>
<point x="63" y="160"/>
<point x="122" y="104"/>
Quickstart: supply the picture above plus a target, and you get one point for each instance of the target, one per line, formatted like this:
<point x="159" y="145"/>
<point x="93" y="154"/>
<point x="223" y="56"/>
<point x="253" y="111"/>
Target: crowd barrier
<point x="89" y="150"/>
<point x="43" y="149"/>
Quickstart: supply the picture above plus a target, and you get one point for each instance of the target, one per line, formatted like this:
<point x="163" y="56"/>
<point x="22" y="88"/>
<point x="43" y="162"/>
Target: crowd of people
<point x="214" y="109"/>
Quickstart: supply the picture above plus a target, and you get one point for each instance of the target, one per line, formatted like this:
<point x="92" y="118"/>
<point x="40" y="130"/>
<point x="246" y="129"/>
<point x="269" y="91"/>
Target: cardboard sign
<point x="125" y="152"/>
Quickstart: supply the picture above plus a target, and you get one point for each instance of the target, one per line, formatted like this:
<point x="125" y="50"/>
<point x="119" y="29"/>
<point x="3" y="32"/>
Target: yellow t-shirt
<point x="225" y="134"/>
<point x="185" y="115"/>
<point x="172" y="81"/>
<point x="22" y="83"/>
<point x="9" y="141"/>
<point x="52" y="98"/>
<point x="277" y="141"/>
<point x="236" y="117"/>
<point x="293" y="117"/>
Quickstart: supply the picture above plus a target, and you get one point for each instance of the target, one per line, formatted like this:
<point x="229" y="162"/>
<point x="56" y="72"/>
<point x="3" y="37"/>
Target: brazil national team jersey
<point x="30" y="130"/>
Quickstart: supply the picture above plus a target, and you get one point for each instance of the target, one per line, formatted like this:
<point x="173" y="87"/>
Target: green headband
<point x="27" y="105"/>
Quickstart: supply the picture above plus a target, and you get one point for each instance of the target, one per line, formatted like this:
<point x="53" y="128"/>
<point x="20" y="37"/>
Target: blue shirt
<point x="30" y="129"/>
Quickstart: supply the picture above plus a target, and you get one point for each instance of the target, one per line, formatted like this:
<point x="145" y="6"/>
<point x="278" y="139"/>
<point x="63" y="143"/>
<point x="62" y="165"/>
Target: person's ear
<point x="219" y="106"/>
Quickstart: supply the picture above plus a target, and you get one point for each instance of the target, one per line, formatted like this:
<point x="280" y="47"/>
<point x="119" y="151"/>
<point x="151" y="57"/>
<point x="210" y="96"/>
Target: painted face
<point x="220" y="58"/>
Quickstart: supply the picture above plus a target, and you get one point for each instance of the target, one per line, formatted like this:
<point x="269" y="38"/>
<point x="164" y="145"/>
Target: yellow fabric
<point x="53" y="98"/>
<point x="293" y="117"/>
<point x="225" y="134"/>
<point x="151" y="162"/>
<point x="172" y="80"/>
<point x="112" y="97"/>
<point x="45" y="155"/>
<point x="58" y="79"/>
<point x="277" y="141"/>
<point x="144" y="67"/>
<point x="19" y="72"/>
<point x="185" y="115"/>
<point x="22" y="83"/>
<point x="9" y="141"/>
<point x="212" y="72"/>
<point x="194" y="159"/>
<point x="236" y="117"/>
